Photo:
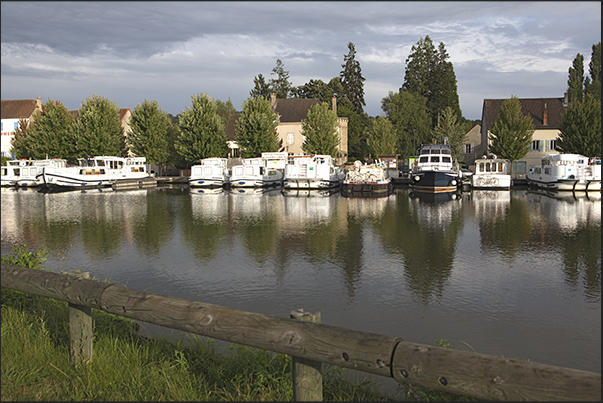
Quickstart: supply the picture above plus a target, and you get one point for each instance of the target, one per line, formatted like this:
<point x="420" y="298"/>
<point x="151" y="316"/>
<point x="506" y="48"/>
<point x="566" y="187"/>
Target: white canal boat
<point x="312" y="172"/>
<point x="257" y="172"/>
<point x="367" y="178"/>
<point x="91" y="172"/>
<point x="567" y="172"/>
<point x="491" y="173"/>
<point x="23" y="173"/>
<point x="210" y="173"/>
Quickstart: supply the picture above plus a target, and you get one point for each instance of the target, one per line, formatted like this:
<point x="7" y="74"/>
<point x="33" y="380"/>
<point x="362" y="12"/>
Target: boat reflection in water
<point x="567" y="210"/>
<point x="489" y="205"/>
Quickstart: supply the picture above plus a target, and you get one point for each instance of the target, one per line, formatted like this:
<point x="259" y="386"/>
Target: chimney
<point x="334" y="101"/>
<point x="273" y="100"/>
<point x="565" y="99"/>
<point x="39" y="103"/>
<point x="545" y="117"/>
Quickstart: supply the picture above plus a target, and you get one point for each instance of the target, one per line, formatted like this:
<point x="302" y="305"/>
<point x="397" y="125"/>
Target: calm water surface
<point x="510" y="273"/>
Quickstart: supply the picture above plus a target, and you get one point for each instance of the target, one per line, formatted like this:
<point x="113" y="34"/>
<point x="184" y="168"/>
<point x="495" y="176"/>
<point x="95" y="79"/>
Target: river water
<point x="511" y="273"/>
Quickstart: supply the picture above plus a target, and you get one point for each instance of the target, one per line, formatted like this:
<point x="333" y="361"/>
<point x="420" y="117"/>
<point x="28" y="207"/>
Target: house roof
<point x="532" y="107"/>
<point x="230" y="126"/>
<point x="294" y="109"/>
<point x="18" y="108"/>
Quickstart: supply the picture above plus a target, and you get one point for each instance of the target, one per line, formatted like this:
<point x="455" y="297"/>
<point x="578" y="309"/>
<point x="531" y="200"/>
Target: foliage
<point x="575" y="81"/>
<point x="408" y="114"/>
<point x="352" y="80"/>
<point x="23" y="257"/>
<point x="202" y="133"/>
<point x="511" y="133"/>
<point x="225" y="109"/>
<point x="150" y="133"/>
<point x="357" y="127"/>
<point x="261" y="88"/>
<point x="430" y="75"/>
<point x="320" y="131"/>
<point x="382" y="137"/>
<point x="48" y="135"/>
<point x="594" y="88"/>
<point x="280" y="85"/>
<point x="255" y="129"/>
<point x="451" y="129"/>
<point x="314" y="89"/>
<point x="580" y="128"/>
<point x="97" y="130"/>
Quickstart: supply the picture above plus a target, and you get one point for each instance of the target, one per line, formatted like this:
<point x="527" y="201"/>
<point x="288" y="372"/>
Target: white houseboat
<point x="23" y="173"/>
<point x="259" y="172"/>
<point x="312" y="172"/>
<point x="435" y="171"/>
<point x="491" y="173"/>
<point x="367" y="178"/>
<point x="99" y="171"/>
<point x="211" y="172"/>
<point x="567" y="172"/>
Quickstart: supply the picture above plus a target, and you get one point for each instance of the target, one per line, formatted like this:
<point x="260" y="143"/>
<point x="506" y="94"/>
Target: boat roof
<point x="427" y="148"/>
<point x="566" y="157"/>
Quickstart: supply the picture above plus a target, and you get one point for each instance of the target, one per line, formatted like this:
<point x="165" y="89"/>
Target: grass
<point x="129" y="367"/>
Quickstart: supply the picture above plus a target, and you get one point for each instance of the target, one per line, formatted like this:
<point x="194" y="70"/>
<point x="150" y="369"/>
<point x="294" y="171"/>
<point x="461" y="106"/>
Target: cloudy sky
<point x="168" y="51"/>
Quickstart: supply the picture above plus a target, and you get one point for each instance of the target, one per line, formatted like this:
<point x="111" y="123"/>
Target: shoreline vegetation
<point x="129" y="366"/>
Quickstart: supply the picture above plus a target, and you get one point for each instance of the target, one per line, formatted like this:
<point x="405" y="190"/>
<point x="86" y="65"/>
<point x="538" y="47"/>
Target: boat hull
<point x="353" y="187"/>
<point x="207" y="182"/>
<point x="572" y="185"/>
<point x="490" y="181"/>
<point x="435" y="181"/>
<point x="311" y="183"/>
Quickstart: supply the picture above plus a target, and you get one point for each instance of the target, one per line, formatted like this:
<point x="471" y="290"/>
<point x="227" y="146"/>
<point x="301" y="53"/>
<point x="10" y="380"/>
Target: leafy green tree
<point x="580" y="128"/>
<point x="594" y="88"/>
<point x="429" y="74"/>
<point x="255" y="129"/>
<point x="451" y="129"/>
<point x="575" y="81"/>
<point x="382" y="138"/>
<point x="202" y="133"/>
<point x="50" y="132"/>
<point x="97" y="129"/>
<point x="320" y="131"/>
<point x="20" y="144"/>
<point x="352" y="80"/>
<point x="408" y="114"/>
<point x="511" y="133"/>
<point x="314" y="89"/>
<point x="150" y="133"/>
<point x="260" y="88"/>
<point x="280" y="85"/>
<point x="225" y="109"/>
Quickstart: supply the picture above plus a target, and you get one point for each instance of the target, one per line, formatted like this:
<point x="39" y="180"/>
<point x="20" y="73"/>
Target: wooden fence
<point x="461" y="372"/>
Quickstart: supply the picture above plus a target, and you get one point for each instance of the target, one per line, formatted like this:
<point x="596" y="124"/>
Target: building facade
<point x="12" y="112"/>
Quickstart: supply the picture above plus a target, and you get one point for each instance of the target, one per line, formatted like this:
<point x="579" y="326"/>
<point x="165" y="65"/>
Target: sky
<point x="129" y="52"/>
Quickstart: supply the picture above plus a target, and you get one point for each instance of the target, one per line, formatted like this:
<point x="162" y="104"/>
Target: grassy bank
<point x="126" y="366"/>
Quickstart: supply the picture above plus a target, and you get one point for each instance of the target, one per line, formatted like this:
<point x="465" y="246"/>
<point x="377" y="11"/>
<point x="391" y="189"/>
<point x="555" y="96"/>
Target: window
<point x="468" y="149"/>
<point x="446" y="159"/>
<point x="290" y="139"/>
<point x="16" y="125"/>
<point x="536" y="145"/>
<point x="435" y="159"/>
<point x="550" y="145"/>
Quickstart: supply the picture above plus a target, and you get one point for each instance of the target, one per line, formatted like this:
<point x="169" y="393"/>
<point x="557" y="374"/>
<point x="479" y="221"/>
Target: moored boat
<point x="98" y="171"/>
<point x="24" y="173"/>
<point x="255" y="172"/>
<point x="312" y="172"/>
<point x="567" y="172"/>
<point x="211" y="172"/>
<point x="491" y="173"/>
<point x="435" y="171"/>
<point x="367" y="178"/>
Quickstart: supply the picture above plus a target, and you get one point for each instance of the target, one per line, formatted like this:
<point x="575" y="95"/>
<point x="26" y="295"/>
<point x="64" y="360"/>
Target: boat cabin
<point x="435" y="157"/>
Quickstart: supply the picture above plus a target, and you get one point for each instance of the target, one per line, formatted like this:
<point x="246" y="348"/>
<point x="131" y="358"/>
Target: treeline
<point x="425" y="109"/>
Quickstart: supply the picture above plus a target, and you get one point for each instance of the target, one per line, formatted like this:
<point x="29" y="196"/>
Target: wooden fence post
<point x="307" y="374"/>
<point x="80" y="328"/>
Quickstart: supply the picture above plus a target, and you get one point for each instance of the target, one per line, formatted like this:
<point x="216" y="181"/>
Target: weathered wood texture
<point x="307" y="374"/>
<point x="466" y="373"/>
<point x="80" y="328"/>
<point x="488" y="377"/>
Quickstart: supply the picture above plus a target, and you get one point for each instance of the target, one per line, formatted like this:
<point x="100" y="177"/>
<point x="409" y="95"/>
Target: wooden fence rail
<point x="461" y="372"/>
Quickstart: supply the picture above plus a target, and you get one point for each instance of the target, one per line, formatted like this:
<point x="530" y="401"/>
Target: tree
<point x="97" y="130"/>
<point x="352" y="80"/>
<point x="580" y="128"/>
<point x="150" y="133"/>
<point x="575" y="81"/>
<point x="382" y="137"/>
<point x="594" y="88"/>
<point x="511" y="133"/>
<point x="20" y="143"/>
<point x="280" y="85"/>
<point x="314" y="89"/>
<point x="320" y="131"/>
<point x="451" y="129"/>
<point x="202" y="133"/>
<point x="408" y="114"/>
<point x="50" y="132"/>
<point x="225" y="109"/>
<point x="261" y="88"/>
<point x="429" y="74"/>
<point x="255" y="129"/>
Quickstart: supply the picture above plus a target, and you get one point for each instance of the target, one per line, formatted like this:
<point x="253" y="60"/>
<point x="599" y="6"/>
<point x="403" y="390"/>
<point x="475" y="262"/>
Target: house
<point x="291" y="112"/>
<point x="546" y="115"/>
<point x="12" y="111"/>
<point x="473" y="148"/>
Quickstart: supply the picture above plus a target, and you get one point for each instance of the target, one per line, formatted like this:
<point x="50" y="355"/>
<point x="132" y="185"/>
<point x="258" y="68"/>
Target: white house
<point x="12" y="111"/>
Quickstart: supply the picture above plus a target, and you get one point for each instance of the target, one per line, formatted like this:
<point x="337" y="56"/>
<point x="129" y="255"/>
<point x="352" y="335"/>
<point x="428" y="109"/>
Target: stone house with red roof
<point x="291" y="112"/>
<point x="546" y="115"/>
<point x="12" y="110"/>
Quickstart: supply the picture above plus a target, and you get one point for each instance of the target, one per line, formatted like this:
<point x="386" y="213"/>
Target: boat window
<point x="446" y="151"/>
<point x="500" y="167"/>
<point x="100" y="163"/>
<point x="424" y="159"/>
<point x="446" y="159"/>
<point x="208" y="171"/>
<point x="487" y="167"/>
<point x="434" y="151"/>
<point x="547" y="171"/>
<point x="17" y="171"/>
<point x="435" y="159"/>
<point x="248" y="170"/>
<point x="238" y="171"/>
